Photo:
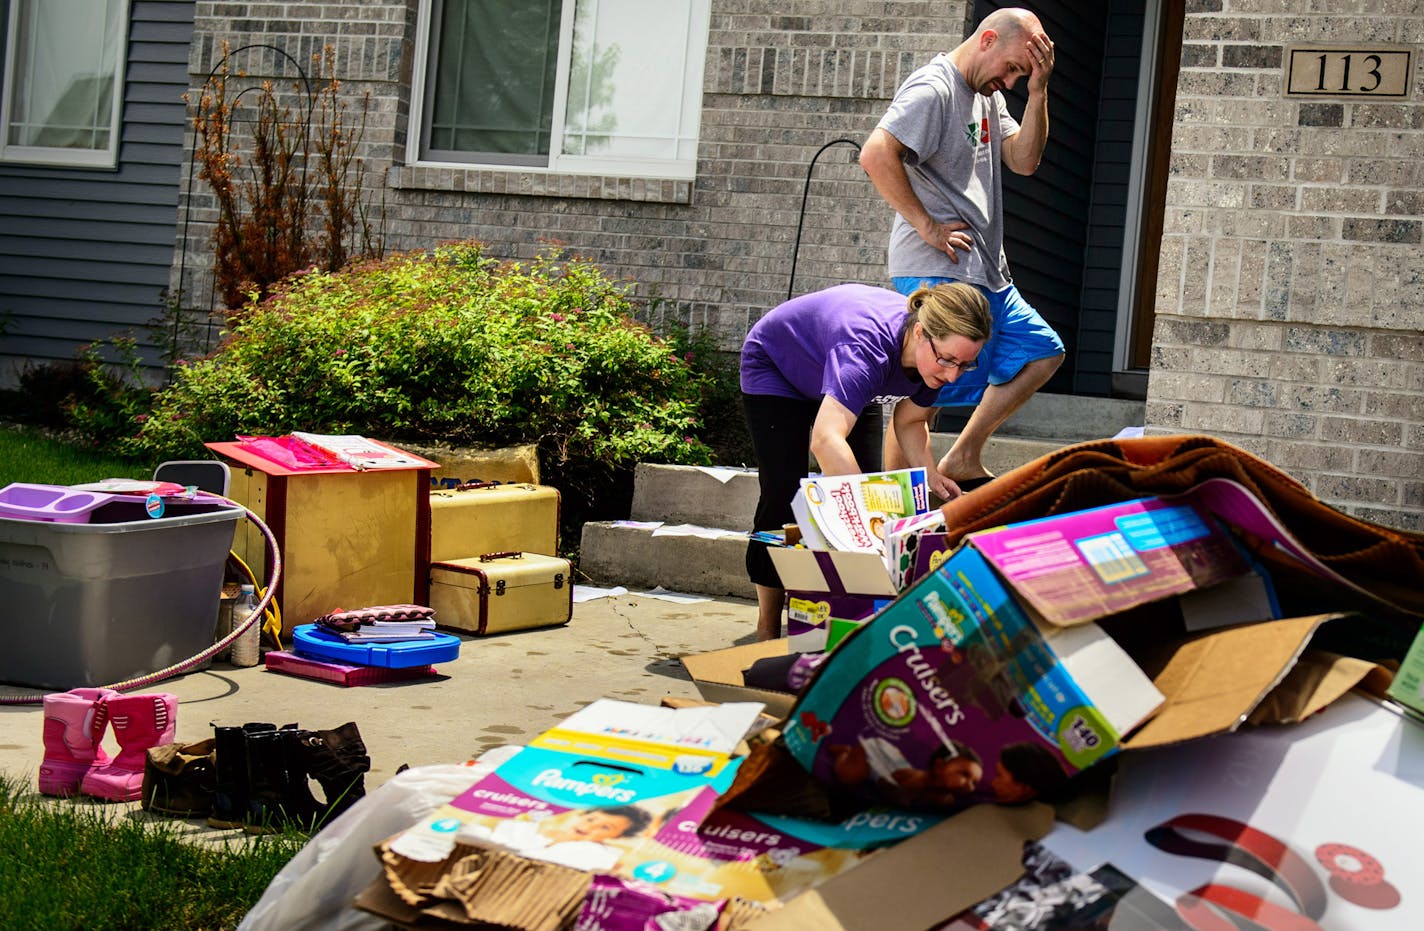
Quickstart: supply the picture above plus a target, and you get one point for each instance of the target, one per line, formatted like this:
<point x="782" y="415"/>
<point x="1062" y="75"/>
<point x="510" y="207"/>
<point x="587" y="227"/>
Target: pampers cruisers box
<point x="990" y="680"/>
<point x="939" y="703"/>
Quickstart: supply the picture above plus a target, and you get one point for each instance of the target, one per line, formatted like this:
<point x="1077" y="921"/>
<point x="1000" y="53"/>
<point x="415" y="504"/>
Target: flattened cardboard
<point x="1316" y="680"/>
<point x="718" y="675"/>
<point x="378" y="899"/>
<point x="980" y="848"/>
<point x="1212" y="681"/>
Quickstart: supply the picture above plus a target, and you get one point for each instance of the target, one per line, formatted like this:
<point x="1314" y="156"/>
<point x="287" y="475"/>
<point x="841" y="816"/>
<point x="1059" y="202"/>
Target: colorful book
<point x="853" y="512"/>
<point x="902" y="542"/>
<point x="358" y="452"/>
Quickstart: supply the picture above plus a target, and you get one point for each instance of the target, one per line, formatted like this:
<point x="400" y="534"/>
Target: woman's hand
<point x="943" y="486"/>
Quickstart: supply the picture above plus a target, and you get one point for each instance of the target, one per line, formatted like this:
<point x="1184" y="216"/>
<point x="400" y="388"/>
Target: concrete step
<point x="1061" y="418"/>
<point x="691" y="495"/>
<point x="614" y="554"/>
<point x="721" y="497"/>
<point x="641" y="558"/>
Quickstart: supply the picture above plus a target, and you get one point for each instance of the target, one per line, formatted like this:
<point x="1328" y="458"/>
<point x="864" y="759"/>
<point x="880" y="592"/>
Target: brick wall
<point x="1290" y="299"/>
<point x="1288" y="302"/>
<point x="782" y="80"/>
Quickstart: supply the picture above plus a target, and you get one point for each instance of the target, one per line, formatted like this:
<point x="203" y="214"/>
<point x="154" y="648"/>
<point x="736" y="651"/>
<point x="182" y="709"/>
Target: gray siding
<point x="86" y="254"/>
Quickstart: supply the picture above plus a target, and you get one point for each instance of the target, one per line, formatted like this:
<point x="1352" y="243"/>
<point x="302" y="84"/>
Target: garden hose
<point x="169" y="672"/>
<point x="272" y="620"/>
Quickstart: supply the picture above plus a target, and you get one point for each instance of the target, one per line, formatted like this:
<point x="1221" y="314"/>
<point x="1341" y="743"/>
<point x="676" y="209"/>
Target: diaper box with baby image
<point x="628" y="791"/>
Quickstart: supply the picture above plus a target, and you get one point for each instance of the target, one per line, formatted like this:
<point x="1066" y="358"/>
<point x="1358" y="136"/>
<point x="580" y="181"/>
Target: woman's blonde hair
<point x="953" y="309"/>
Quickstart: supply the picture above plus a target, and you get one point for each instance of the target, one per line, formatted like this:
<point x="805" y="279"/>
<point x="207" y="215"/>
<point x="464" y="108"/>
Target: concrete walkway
<point x="502" y="689"/>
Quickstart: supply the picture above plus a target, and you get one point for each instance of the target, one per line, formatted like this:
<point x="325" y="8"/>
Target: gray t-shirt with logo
<point x="952" y="135"/>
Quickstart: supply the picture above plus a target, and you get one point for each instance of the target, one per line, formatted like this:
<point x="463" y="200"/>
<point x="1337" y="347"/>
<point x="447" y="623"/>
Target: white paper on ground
<point x="682" y="598"/>
<point x="1351" y="775"/>
<point x="695" y="530"/>
<point x="718" y="728"/>
<point x="590" y="592"/>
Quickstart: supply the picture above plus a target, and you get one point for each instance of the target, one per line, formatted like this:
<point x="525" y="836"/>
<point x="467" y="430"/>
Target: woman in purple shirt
<point x="812" y="365"/>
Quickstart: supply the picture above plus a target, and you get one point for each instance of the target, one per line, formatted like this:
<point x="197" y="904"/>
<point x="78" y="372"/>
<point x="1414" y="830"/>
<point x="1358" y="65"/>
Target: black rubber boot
<point x="231" y="788"/>
<point x="279" y="795"/>
<point x="338" y="761"/>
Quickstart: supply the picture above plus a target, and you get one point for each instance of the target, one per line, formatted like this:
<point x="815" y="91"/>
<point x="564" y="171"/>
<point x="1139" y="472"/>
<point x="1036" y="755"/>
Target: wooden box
<point x="348" y="538"/>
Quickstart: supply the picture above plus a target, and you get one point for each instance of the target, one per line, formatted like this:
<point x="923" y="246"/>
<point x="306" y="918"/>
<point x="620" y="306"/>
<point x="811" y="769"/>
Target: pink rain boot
<point x="140" y="722"/>
<point x="73" y="728"/>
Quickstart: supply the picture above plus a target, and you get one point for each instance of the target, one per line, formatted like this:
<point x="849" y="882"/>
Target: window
<point x="63" y="89"/>
<point x="574" y="86"/>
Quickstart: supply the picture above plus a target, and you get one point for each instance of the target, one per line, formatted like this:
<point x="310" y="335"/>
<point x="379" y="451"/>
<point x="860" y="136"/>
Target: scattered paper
<point x="695" y="530"/>
<point x="723" y="474"/>
<point x="675" y="597"/>
<point x="639" y="524"/>
<point x="584" y="593"/>
<point x="1127" y="433"/>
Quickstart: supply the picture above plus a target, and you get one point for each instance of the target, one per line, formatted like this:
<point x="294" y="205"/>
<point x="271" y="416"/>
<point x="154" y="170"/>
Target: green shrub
<point x="723" y="426"/>
<point x="451" y="347"/>
<point x="112" y="397"/>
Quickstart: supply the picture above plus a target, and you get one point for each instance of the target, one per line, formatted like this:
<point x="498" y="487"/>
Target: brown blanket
<point x="1386" y="563"/>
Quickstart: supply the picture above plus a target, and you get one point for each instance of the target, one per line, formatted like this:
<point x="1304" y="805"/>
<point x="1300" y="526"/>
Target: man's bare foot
<point x="958" y="469"/>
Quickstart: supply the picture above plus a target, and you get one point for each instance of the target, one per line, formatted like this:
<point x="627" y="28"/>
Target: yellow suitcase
<point x="500" y="592"/>
<point x="490" y="517"/>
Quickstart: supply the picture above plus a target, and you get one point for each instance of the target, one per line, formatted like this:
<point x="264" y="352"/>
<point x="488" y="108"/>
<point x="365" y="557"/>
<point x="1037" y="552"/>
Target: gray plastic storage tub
<point x="88" y="604"/>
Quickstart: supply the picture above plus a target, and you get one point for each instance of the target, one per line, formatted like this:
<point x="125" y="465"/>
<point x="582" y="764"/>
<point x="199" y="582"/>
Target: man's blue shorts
<point x="1020" y="336"/>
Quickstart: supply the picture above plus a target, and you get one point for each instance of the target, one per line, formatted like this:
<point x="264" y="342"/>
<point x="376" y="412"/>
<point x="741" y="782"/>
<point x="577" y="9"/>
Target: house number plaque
<point x="1313" y="71"/>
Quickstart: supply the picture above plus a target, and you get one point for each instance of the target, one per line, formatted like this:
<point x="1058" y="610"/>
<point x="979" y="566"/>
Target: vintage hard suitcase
<point x="489" y="517"/>
<point x="499" y="592"/>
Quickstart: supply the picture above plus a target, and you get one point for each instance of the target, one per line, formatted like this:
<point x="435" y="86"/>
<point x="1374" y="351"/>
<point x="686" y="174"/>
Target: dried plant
<point x="269" y="180"/>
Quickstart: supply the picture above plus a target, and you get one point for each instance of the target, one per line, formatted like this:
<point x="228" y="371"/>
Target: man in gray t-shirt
<point x="937" y="157"/>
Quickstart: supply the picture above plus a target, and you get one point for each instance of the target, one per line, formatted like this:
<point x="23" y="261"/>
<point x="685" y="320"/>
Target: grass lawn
<point x="71" y="864"/>
<point x="27" y="455"/>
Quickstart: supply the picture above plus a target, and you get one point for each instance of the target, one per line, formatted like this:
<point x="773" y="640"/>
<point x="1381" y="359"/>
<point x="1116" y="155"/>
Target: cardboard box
<point x="1089" y="564"/>
<point x="933" y="703"/>
<point x="828" y="589"/>
<point x="1070" y="567"/>
<point x="718" y="675"/>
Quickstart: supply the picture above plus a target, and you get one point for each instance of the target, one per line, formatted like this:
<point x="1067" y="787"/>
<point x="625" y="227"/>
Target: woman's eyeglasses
<point x="950" y="362"/>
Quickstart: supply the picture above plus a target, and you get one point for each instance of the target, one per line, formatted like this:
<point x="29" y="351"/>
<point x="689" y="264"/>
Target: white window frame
<point x="694" y="59"/>
<point x="61" y="156"/>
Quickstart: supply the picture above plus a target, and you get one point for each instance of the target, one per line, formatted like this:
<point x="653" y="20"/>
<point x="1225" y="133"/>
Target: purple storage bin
<point x="58" y="504"/>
